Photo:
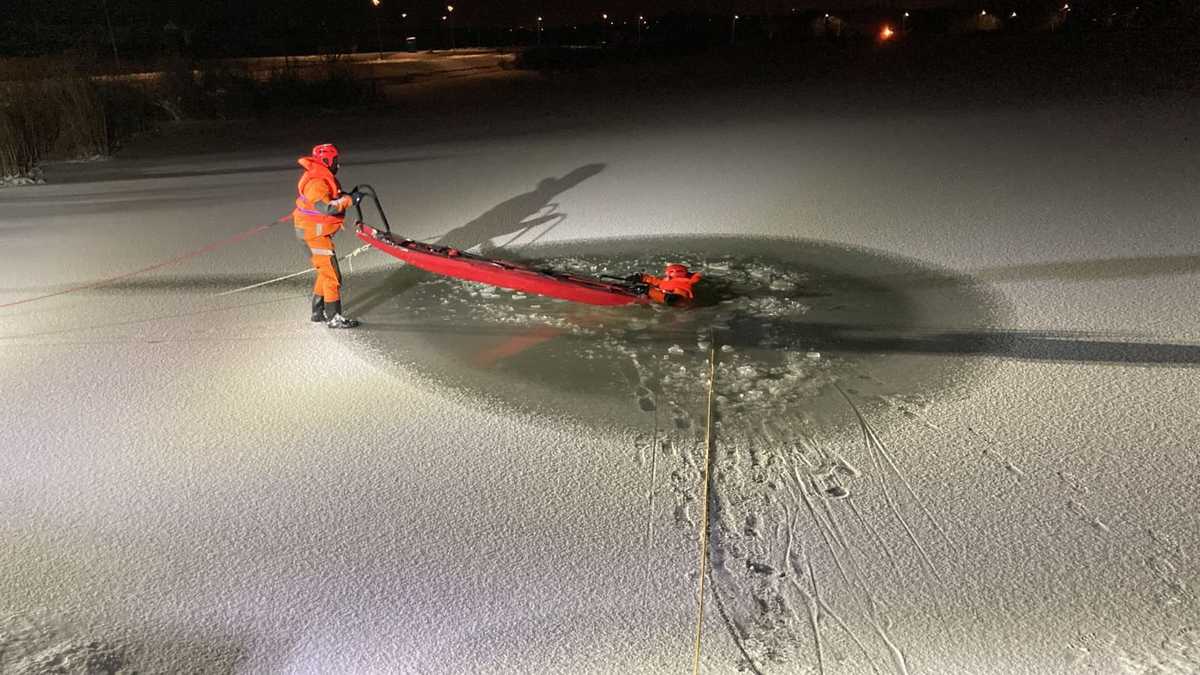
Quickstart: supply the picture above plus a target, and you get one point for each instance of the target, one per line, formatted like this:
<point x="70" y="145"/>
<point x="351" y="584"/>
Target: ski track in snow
<point x="881" y="450"/>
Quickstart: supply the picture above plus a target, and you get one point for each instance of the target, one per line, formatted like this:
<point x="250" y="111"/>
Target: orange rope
<point x="179" y="258"/>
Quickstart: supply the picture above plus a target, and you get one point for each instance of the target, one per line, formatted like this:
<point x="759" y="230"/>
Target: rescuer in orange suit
<point x="673" y="288"/>
<point x="320" y="212"/>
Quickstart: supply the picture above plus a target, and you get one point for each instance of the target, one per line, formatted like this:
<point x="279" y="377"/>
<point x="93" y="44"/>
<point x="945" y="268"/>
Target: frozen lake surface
<point x="954" y="415"/>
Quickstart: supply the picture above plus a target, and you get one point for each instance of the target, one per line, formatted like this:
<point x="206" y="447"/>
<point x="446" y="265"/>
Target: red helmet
<point x="676" y="270"/>
<point x="326" y="153"/>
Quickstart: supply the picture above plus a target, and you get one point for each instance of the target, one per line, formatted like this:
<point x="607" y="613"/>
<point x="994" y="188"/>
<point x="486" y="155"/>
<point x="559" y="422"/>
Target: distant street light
<point x="640" y="21"/>
<point x="733" y="29"/>
<point x="539" y="30"/>
<point x="450" y="11"/>
<point x="378" y="30"/>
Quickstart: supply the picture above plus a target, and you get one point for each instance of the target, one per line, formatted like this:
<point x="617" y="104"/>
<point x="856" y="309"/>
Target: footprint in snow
<point x="836" y="492"/>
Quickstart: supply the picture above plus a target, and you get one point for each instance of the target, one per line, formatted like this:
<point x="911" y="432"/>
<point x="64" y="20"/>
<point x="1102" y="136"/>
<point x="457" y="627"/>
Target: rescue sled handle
<point x="369" y="191"/>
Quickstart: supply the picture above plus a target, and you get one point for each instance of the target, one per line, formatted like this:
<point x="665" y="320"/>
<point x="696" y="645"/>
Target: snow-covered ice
<point x="955" y="405"/>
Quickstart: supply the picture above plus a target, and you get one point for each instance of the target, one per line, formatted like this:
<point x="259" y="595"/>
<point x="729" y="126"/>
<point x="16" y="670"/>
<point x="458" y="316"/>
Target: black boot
<point x="333" y="311"/>
<point x="318" y="309"/>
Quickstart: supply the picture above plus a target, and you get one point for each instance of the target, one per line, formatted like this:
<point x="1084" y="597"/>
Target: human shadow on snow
<point x="518" y="215"/>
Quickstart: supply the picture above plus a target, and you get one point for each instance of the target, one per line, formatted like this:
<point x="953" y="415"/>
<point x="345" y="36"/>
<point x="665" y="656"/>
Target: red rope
<point x="165" y="263"/>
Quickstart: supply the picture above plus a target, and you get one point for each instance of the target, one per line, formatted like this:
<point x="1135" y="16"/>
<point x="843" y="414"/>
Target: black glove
<point x="634" y="278"/>
<point x="357" y="196"/>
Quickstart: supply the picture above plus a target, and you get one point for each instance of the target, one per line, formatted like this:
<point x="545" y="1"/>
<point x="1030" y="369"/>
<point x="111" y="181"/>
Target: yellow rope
<point x="708" y="442"/>
<point x="310" y="270"/>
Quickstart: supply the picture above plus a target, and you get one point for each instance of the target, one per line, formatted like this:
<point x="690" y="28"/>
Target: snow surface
<point x="956" y="426"/>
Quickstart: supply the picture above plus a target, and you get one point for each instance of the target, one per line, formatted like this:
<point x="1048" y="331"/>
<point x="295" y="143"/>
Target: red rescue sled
<point x="674" y="289"/>
<point x="452" y="262"/>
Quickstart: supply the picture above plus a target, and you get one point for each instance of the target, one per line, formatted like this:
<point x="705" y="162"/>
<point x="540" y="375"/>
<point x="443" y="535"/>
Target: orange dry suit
<point x="320" y="212"/>
<point x="671" y="290"/>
